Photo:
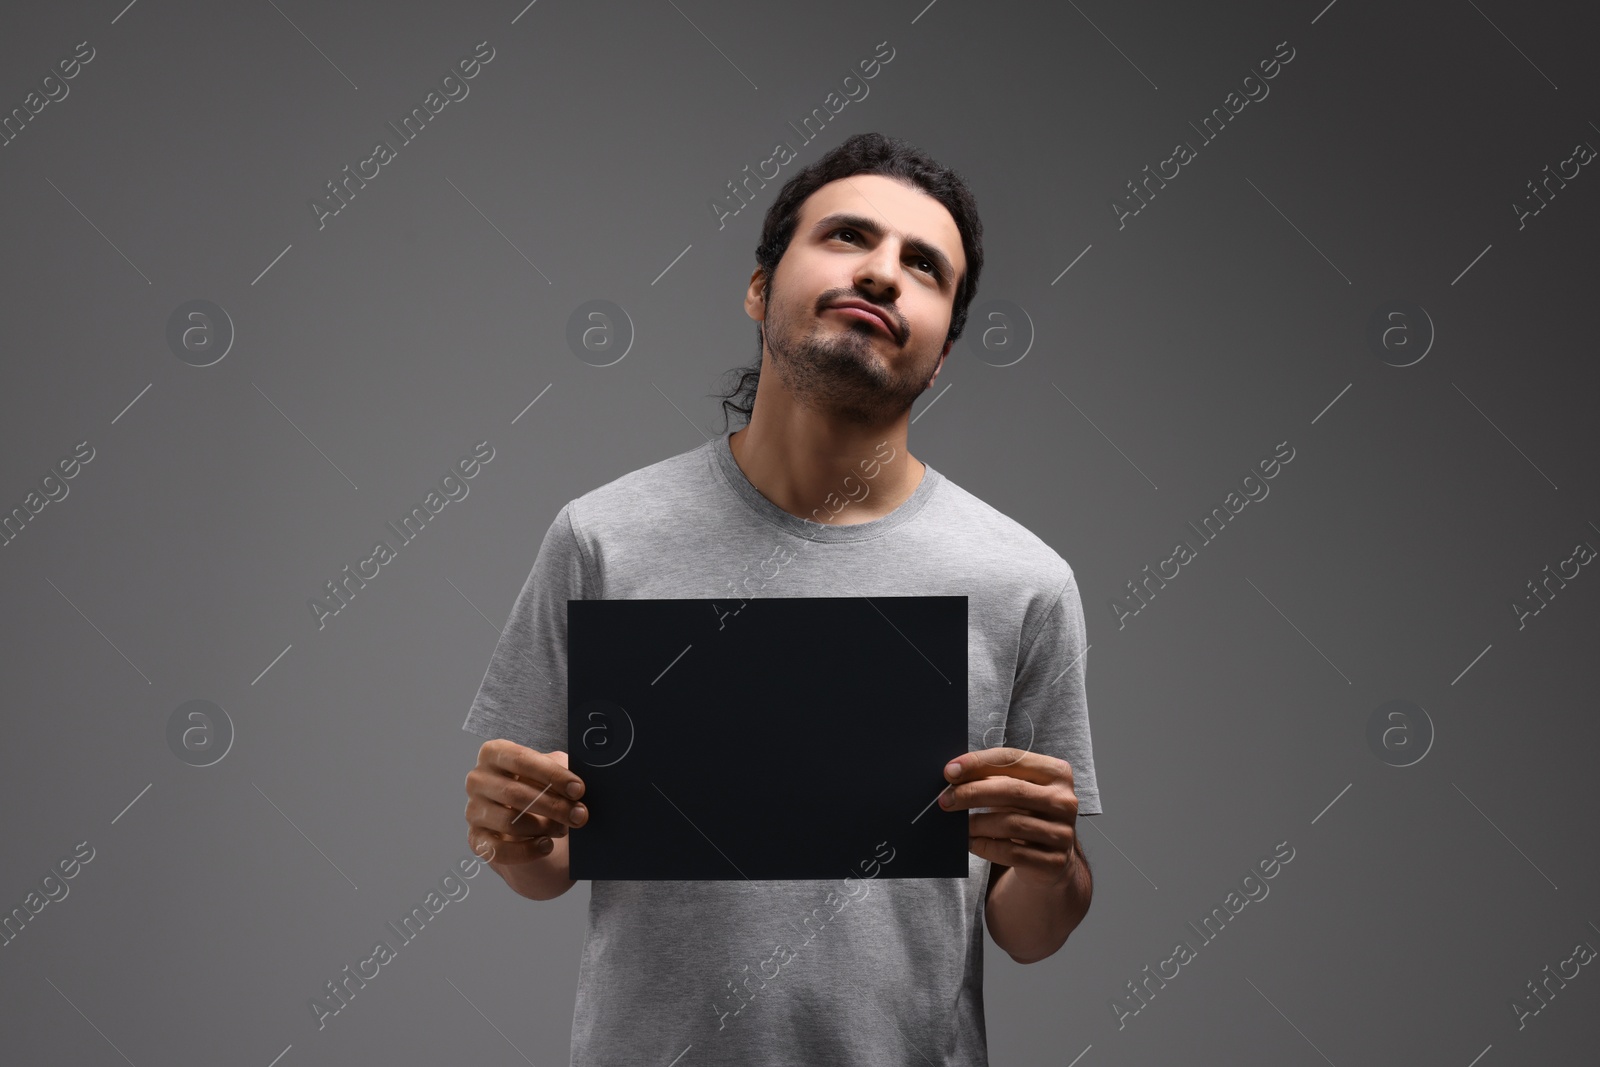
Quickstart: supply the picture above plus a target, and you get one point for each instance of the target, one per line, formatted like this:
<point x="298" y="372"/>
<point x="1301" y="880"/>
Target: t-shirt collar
<point x="721" y="457"/>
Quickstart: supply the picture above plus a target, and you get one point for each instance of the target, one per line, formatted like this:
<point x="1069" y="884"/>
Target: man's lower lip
<point x="866" y="315"/>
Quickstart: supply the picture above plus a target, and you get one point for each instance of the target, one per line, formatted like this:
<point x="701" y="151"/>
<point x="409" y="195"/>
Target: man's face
<point x="876" y="240"/>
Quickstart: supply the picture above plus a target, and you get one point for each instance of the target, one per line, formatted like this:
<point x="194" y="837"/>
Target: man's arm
<point x="522" y="700"/>
<point x="1049" y="708"/>
<point x="1030" y="923"/>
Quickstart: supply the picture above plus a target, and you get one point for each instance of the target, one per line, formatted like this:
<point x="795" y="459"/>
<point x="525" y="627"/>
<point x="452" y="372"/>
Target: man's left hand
<point x="1033" y="827"/>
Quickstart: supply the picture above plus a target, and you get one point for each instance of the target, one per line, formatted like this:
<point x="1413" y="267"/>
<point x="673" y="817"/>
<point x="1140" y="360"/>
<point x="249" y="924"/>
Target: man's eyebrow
<point x="871" y="226"/>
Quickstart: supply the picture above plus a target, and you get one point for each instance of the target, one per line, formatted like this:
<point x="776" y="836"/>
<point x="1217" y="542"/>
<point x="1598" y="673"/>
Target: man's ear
<point x="755" y="296"/>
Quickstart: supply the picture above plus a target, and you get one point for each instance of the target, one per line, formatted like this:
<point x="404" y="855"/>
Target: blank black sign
<point x="773" y="738"/>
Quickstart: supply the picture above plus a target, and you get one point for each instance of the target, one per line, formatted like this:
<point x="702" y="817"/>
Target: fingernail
<point x="580" y="814"/>
<point x="545" y="844"/>
<point x="953" y="770"/>
<point x="574" y="789"/>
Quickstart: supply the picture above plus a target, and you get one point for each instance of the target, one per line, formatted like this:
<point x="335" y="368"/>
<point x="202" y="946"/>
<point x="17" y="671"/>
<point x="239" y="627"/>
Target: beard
<point x="841" y="372"/>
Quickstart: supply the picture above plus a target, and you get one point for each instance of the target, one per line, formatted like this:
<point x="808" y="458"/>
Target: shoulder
<point x="650" y="496"/>
<point x="995" y="541"/>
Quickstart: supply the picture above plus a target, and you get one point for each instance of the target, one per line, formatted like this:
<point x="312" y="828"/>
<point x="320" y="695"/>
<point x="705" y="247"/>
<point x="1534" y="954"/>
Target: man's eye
<point x="925" y="265"/>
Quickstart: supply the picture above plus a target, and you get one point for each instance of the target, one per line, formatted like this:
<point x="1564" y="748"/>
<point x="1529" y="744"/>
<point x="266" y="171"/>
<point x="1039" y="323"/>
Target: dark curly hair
<point x="863" y="153"/>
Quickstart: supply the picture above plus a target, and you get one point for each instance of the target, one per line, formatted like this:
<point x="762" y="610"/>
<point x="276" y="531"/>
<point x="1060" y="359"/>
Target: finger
<point x="522" y="800"/>
<point x="518" y="846"/>
<point x="492" y="849"/>
<point x="1011" y="854"/>
<point x="1027" y="829"/>
<point x="525" y="799"/>
<point x="525" y="793"/>
<point x="532" y="765"/>
<point x="1010" y="762"/>
<point x="1005" y="792"/>
<point x="488" y="815"/>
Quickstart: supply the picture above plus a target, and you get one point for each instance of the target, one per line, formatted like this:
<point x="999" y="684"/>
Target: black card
<point x="772" y="738"/>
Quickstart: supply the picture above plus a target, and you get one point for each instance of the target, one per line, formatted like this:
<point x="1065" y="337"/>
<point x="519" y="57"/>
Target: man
<point x="867" y="263"/>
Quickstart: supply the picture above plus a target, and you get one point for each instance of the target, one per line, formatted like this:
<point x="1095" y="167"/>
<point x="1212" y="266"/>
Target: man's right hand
<point x="519" y="801"/>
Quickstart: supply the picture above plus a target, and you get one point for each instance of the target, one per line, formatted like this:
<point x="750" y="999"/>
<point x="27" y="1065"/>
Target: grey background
<point x="1228" y="316"/>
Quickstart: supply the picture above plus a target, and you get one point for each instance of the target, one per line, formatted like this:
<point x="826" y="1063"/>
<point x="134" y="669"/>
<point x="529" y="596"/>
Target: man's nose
<point x="879" y="272"/>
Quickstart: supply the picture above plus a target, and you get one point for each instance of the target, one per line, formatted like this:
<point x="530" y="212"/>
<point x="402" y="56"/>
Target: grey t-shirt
<point x="830" y="973"/>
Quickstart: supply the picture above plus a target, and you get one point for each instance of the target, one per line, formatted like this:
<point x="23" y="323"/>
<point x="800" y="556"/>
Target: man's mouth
<point x="857" y="312"/>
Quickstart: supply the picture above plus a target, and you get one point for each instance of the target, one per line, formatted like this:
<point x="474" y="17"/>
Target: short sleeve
<point x="523" y="695"/>
<point x="1048" y="700"/>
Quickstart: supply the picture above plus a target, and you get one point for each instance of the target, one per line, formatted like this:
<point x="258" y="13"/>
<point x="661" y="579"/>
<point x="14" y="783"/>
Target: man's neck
<point x="840" y="476"/>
